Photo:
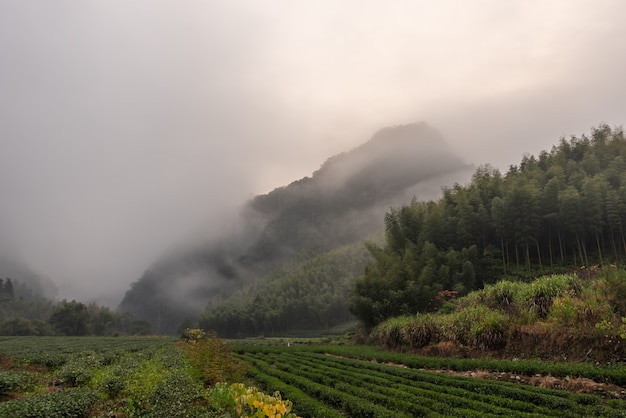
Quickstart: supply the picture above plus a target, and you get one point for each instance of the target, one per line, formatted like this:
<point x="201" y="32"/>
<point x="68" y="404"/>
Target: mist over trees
<point x="340" y="204"/>
<point x="24" y="312"/>
<point x="328" y="249"/>
<point x="308" y="295"/>
<point x="562" y="209"/>
<point x="35" y="284"/>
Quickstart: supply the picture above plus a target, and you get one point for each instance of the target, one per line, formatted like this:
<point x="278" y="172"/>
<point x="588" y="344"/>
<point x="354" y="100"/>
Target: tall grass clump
<point x="477" y="327"/>
<point x="538" y="295"/>
<point x="505" y="295"/>
<point x="612" y="287"/>
<point x="391" y="334"/>
<point x="420" y="331"/>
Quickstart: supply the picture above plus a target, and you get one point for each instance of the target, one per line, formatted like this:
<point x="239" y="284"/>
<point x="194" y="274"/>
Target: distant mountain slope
<point x="341" y="203"/>
<point x="27" y="282"/>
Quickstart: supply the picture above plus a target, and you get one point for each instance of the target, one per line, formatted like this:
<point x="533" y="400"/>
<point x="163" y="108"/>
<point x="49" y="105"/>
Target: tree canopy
<point x="565" y="208"/>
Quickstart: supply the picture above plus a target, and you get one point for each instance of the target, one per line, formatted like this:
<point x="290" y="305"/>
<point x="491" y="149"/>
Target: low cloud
<point x="127" y="128"/>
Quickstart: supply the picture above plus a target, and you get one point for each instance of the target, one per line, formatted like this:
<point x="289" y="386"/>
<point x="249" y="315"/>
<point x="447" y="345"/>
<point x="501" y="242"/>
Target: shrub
<point x="211" y="358"/>
<point x="14" y="381"/>
<point x="67" y="403"/>
<point x="238" y="400"/>
<point x="78" y="370"/>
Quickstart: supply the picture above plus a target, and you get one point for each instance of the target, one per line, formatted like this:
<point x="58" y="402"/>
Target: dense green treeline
<point x="565" y="208"/>
<point x="310" y="295"/>
<point x="22" y="312"/>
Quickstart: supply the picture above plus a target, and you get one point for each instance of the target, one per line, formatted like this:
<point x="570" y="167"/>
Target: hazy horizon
<point x="129" y="128"/>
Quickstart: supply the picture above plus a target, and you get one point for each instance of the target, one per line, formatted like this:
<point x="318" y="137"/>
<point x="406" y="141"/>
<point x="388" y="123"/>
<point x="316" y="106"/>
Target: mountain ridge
<point x="341" y="203"/>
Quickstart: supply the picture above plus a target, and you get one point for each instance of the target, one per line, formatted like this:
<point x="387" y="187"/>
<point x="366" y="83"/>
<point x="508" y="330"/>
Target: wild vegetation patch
<point x="556" y="317"/>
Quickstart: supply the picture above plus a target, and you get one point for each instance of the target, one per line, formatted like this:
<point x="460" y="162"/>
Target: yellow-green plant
<point x="249" y="402"/>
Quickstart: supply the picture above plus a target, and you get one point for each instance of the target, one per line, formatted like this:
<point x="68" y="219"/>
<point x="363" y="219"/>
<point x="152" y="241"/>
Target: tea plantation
<point x="162" y="377"/>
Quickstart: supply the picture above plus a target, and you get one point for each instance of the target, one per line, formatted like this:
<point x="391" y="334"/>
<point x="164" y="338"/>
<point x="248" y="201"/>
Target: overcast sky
<point x="125" y="126"/>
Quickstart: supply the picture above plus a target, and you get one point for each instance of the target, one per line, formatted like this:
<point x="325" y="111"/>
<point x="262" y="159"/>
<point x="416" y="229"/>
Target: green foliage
<point x="67" y="403"/>
<point x="308" y="295"/>
<point x="540" y="293"/>
<point x="421" y="331"/>
<point x="489" y="329"/>
<point x="365" y="381"/>
<point x="211" y="358"/>
<point x="543" y="216"/>
<point x="41" y="317"/>
<point x="70" y="318"/>
<point x="11" y="381"/>
<point x="556" y="314"/>
<point x="239" y="400"/>
<point x="391" y="333"/>
<point x="612" y="287"/>
<point x="125" y="376"/>
<point x="79" y="369"/>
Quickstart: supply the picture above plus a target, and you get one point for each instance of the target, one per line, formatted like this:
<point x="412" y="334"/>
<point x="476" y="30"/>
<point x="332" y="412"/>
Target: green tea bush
<point x="178" y="396"/>
<point x="79" y="370"/>
<point x="11" y="381"/>
<point x="141" y="384"/>
<point x="304" y="404"/>
<point x="67" y="403"/>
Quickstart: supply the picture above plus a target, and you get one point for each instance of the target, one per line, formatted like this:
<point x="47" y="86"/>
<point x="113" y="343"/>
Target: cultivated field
<point x="335" y="381"/>
<point x="155" y="377"/>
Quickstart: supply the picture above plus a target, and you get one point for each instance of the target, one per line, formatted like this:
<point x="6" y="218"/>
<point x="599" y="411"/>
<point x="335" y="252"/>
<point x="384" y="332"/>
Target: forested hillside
<point x="341" y="203"/>
<point x="307" y="295"/>
<point x="25" y="312"/>
<point x="562" y="209"/>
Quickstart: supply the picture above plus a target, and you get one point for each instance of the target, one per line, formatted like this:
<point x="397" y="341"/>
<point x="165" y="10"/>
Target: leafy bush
<point x="67" y="403"/>
<point x="14" y="381"/>
<point x="238" y="400"/>
<point x="79" y="370"/>
<point x="211" y="358"/>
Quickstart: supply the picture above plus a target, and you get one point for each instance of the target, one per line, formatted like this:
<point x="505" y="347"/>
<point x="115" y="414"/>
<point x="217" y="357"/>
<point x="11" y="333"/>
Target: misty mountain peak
<point x="341" y="203"/>
<point x="394" y="158"/>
